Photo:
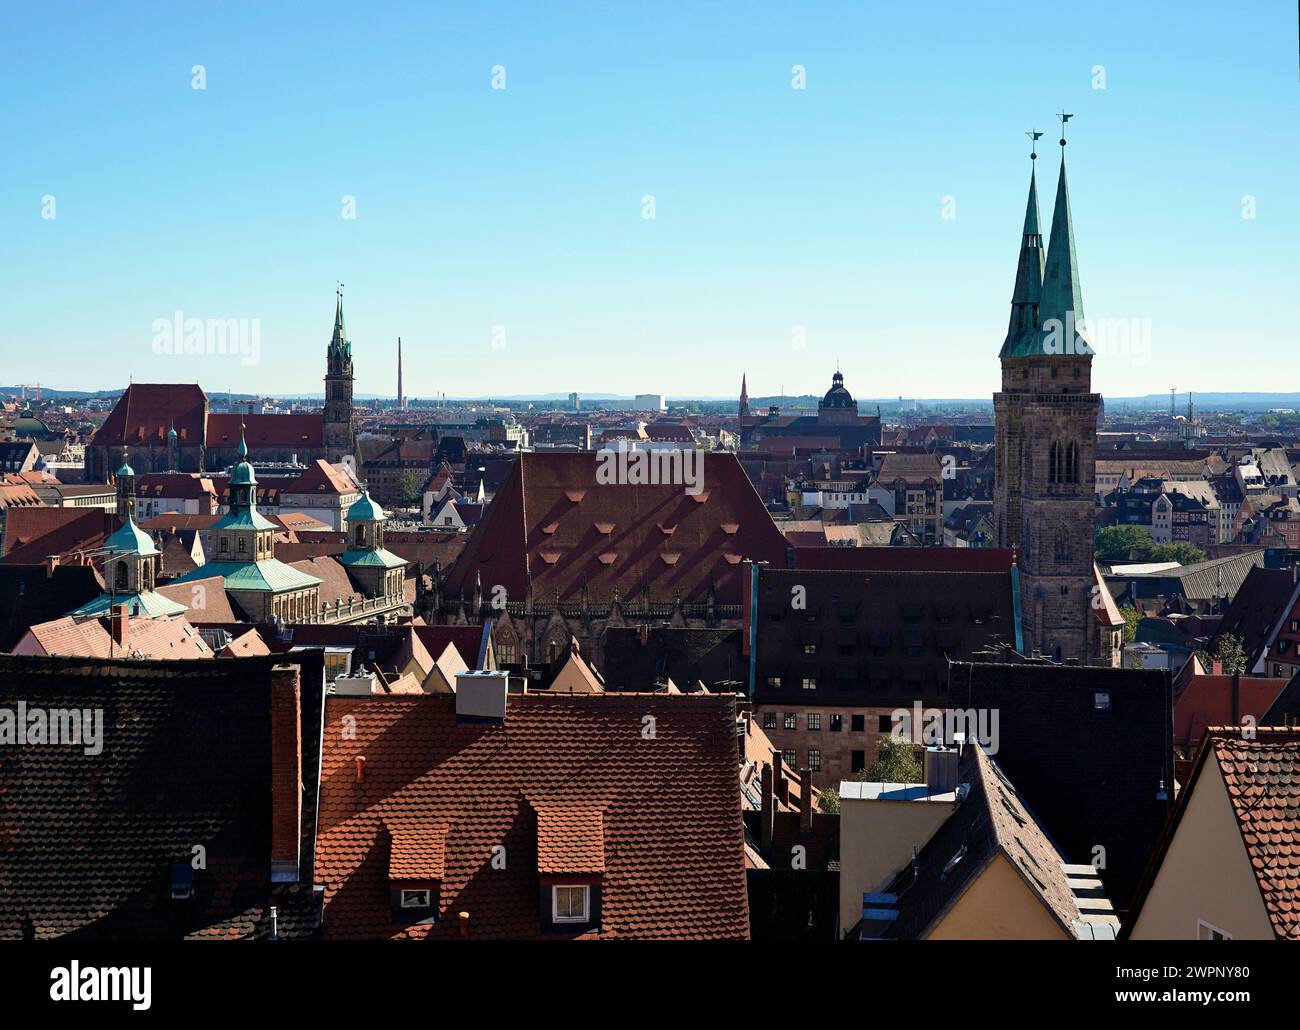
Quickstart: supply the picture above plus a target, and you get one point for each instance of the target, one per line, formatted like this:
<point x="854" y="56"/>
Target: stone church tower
<point x="339" y="438"/>
<point x="1046" y="415"/>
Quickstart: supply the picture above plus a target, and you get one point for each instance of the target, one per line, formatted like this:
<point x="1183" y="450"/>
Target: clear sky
<point x="522" y="208"/>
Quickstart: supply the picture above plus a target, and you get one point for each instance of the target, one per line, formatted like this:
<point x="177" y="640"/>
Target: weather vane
<point x="1064" y="118"/>
<point x="1033" y="135"/>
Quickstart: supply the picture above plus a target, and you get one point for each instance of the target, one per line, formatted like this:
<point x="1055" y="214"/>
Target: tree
<point x="829" y="802"/>
<point x="1131" y="619"/>
<point x="408" y="487"/>
<point x="1115" y="542"/>
<point x="1183" y="553"/>
<point x="897" y="764"/>
<point x="1227" y="649"/>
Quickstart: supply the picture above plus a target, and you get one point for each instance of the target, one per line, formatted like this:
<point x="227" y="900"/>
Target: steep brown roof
<point x="671" y="828"/>
<point x="146" y="411"/>
<point x="554" y="522"/>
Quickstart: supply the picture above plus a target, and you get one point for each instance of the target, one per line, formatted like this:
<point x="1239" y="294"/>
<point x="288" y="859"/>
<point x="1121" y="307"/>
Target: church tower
<point x="744" y="396"/>
<point x="1046" y="416"/>
<point x="339" y="436"/>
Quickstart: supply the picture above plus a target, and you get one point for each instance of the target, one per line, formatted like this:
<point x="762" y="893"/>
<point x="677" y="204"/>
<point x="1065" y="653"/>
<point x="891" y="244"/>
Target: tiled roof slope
<point x="1262" y="776"/>
<point x="673" y="841"/>
<point x="1258" y="604"/>
<point x="993" y="818"/>
<point x="31" y="594"/>
<point x="570" y="839"/>
<point x="904" y="559"/>
<point x="146" y="411"/>
<point x="87" y="841"/>
<point x="264" y="431"/>
<point x="552" y="521"/>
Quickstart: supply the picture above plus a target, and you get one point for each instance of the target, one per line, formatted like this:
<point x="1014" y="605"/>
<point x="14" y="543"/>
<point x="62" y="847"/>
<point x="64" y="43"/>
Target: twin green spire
<point x="339" y="342"/>
<point x="1047" y="303"/>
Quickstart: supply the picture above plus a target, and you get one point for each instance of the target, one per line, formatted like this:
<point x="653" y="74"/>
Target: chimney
<point x="481" y="696"/>
<point x="805" y="801"/>
<point x="1216" y="667"/>
<point x="286" y="774"/>
<point x="119" y="624"/>
<point x="51" y="563"/>
<point x="781" y="783"/>
<point x="464" y="923"/>
<point x="941" y="769"/>
<point x="1236" y="699"/>
<point x="768" y="805"/>
<point x="360" y="762"/>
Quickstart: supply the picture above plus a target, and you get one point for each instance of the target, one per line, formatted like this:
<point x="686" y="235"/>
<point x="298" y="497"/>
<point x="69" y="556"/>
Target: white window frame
<point x="426" y="903"/>
<point x="586" y="903"/>
<point x="1202" y="925"/>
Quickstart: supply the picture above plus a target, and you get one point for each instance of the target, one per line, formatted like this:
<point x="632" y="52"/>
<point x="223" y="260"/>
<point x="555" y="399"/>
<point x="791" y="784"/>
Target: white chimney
<point x="361" y="684"/>
<point x="482" y="695"/>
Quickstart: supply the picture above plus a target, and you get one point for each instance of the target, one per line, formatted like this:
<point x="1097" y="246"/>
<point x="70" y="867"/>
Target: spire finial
<point x="1033" y="135"/>
<point x="1064" y="118"/>
<point x="243" y="447"/>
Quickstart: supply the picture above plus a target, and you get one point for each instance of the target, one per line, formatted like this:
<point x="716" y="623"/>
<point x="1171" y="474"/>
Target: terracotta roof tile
<point x="673" y="864"/>
<point x="569" y="840"/>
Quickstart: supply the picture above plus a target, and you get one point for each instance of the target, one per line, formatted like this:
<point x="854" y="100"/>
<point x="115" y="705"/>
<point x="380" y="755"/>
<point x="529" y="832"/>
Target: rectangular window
<point x="569" y="904"/>
<point x="886" y="724"/>
<point x="814" y="720"/>
<point x="809" y="648"/>
<point x="857" y="761"/>
<point x="790" y="757"/>
<point x="1101" y="700"/>
<point x="809" y="683"/>
<point x="837" y="723"/>
<point x="791" y="721"/>
<point x="415" y="899"/>
<point x="769" y="720"/>
<point x="774" y="682"/>
<point x="814" y="759"/>
<point x="1206" y="932"/>
<point x="859" y="724"/>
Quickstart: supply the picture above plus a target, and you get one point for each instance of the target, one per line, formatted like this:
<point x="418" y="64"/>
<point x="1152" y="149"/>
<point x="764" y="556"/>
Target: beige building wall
<point x="876" y="840"/>
<point x="1206" y="873"/>
<point x="998" y="906"/>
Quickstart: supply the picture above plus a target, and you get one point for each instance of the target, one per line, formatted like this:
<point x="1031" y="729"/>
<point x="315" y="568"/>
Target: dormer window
<point x="416" y="899"/>
<point x="570" y="903"/>
<point x="570" y="866"/>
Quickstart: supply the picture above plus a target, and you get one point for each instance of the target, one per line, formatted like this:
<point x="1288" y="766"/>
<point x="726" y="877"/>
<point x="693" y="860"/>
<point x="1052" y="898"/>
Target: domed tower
<point x="378" y="571"/>
<point x="124" y="479"/>
<point x="130" y="563"/>
<point x="838" y="406"/>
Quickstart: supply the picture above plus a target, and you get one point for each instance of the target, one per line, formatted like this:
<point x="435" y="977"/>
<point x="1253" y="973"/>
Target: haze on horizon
<point x="794" y="229"/>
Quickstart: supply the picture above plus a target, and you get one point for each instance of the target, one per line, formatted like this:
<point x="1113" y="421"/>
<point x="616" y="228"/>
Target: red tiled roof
<point x="146" y="411"/>
<point x="1262" y="776"/>
<point x="1207" y="701"/>
<point x="267" y="431"/>
<point x="672" y="831"/>
<point x="515" y="537"/>
<point x="569" y="840"/>
<point x="32" y="534"/>
<point x="416" y="852"/>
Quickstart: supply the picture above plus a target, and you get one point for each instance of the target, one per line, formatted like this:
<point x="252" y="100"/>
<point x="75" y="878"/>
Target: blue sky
<point x="522" y="208"/>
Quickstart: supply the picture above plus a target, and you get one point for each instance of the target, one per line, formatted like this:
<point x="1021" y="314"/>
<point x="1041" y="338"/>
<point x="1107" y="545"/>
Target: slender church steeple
<point x="744" y="396"/>
<point x="337" y="415"/>
<point x="401" y="396"/>
<point x="1027" y="296"/>
<point x="1062" y="296"/>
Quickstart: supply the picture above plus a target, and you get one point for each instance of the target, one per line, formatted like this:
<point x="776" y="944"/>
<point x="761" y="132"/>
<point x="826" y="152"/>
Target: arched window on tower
<point x="1053" y="462"/>
<point x="1072" y="463"/>
<point x="119" y="576"/>
<point x="1062" y="547"/>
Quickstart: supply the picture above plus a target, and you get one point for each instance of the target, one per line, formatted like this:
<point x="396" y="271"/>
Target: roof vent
<point x="360" y="685"/>
<point x="481" y="696"/>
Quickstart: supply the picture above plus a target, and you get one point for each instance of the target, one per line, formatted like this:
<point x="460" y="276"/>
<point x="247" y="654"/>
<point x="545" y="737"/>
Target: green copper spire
<point x="1062" y="296"/>
<point x="1060" y="306"/>
<point x="1027" y="296"/>
<point x="339" y="341"/>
